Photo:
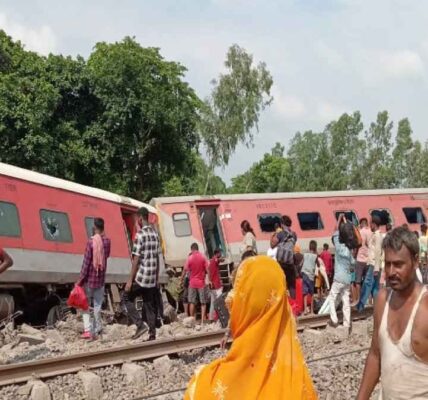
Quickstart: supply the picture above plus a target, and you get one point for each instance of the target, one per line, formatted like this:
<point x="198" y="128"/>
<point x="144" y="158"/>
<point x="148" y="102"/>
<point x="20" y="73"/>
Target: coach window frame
<point x="424" y="218"/>
<point x="187" y="220"/>
<point x="45" y="236"/>
<point x="18" y="220"/>
<point x="87" y="227"/>
<point x="391" y="217"/>
<point x="338" y="212"/>
<point x="311" y="229"/>
<point x="266" y="215"/>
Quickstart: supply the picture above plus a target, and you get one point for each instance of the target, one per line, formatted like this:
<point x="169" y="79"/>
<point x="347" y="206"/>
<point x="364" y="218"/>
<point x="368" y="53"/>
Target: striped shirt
<point x="89" y="276"/>
<point x="147" y="248"/>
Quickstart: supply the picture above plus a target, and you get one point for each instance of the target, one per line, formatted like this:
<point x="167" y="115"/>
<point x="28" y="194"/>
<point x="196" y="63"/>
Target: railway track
<point x="47" y="368"/>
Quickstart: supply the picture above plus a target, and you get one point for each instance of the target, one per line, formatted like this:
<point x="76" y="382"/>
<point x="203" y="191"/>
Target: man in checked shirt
<point x="143" y="280"/>
<point x="92" y="277"/>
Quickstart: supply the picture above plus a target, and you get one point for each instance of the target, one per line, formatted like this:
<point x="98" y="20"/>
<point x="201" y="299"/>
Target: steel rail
<point x="46" y="368"/>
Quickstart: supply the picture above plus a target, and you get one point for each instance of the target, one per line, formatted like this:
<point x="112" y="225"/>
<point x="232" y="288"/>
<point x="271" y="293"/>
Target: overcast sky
<point x="326" y="56"/>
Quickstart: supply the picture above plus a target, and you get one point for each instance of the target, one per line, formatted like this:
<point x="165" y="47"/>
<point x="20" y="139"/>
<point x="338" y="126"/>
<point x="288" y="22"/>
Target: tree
<point x="124" y="120"/>
<point x="230" y="114"/>
<point x="378" y="165"/>
<point x="401" y="153"/>
<point x="271" y="174"/>
<point x="418" y="161"/>
<point x="343" y="156"/>
<point x="309" y="159"/>
<point x="146" y="129"/>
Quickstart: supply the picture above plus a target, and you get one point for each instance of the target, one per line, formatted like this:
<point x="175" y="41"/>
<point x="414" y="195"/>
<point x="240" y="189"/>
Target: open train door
<point x="211" y="226"/>
<point x="213" y="237"/>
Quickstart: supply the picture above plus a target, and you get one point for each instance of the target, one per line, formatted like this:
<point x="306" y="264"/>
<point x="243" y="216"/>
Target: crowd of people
<point x="265" y="353"/>
<point x="390" y="268"/>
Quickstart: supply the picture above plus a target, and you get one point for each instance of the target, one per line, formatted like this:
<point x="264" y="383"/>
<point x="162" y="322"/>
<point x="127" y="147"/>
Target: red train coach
<point x="45" y="223"/>
<point x="214" y="221"/>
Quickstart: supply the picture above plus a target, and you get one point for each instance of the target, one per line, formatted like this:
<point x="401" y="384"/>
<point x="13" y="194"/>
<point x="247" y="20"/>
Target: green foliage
<point x="342" y="158"/>
<point x="232" y="111"/>
<point x="271" y="174"/>
<point x="124" y="120"/>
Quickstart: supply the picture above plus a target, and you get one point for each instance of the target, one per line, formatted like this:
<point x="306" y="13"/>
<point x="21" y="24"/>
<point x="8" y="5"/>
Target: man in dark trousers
<point x="399" y="349"/>
<point x="143" y="280"/>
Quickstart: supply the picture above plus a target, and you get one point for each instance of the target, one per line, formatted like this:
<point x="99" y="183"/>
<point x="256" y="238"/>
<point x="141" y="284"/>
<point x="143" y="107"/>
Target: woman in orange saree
<point x="265" y="361"/>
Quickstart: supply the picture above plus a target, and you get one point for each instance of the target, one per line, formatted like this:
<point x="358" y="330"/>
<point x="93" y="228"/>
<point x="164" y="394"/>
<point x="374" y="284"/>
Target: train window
<point x="181" y="224"/>
<point x="310" y="221"/>
<point x="349" y="214"/>
<point x="9" y="220"/>
<point x="414" y="215"/>
<point x="268" y="221"/>
<point x="55" y="226"/>
<point x="384" y="215"/>
<point x="89" y="224"/>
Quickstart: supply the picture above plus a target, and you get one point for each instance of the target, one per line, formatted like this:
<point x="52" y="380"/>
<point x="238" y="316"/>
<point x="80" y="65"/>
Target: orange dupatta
<point x="265" y="361"/>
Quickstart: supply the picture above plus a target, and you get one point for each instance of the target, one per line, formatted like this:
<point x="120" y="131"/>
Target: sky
<point x="327" y="57"/>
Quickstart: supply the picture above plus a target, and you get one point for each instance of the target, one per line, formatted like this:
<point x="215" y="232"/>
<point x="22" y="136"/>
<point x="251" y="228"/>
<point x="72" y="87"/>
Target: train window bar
<point x="10" y="224"/>
<point x="181" y="224"/>
<point x="310" y="221"/>
<point x="414" y="215"/>
<point x="55" y="226"/>
<point x="384" y="214"/>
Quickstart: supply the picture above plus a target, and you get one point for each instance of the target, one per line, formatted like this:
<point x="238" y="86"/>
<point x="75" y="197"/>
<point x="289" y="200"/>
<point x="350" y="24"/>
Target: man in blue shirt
<point x="344" y="260"/>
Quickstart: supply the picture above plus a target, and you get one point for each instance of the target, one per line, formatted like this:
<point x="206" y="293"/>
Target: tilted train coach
<point x="45" y="223"/>
<point x="214" y="221"/>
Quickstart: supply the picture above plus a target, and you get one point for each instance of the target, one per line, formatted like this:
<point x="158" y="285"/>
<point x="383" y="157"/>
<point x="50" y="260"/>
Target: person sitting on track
<point x="399" y="350"/>
<point x="265" y="361"/>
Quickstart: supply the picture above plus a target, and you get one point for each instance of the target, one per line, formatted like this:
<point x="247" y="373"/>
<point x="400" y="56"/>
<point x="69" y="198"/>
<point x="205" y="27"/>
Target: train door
<point x="128" y="218"/>
<point x="211" y="229"/>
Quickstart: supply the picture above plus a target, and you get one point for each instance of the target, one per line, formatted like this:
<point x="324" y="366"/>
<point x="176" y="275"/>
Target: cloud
<point x="41" y="40"/>
<point x="385" y="65"/>
<point x="289" y="107"/>
<point x="331" y="56"/>
<point x="328" y="112"/>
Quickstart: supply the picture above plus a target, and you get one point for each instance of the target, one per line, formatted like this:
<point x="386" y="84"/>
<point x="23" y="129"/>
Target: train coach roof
<point x="46" y="180"/>
<point x="288" y="195"/>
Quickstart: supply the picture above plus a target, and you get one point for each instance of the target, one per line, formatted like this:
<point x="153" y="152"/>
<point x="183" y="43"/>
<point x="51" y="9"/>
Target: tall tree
<point x="232" y="112"/>
<point x="378" y="165"/>
<point x="147" y="125"/>
<point x="345" y="147"/>
<point x="418" y="162"/>
<point x="401" y="154"/>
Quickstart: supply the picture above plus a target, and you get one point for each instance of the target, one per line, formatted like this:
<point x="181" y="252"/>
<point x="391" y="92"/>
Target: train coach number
<point x="265" y="206"/>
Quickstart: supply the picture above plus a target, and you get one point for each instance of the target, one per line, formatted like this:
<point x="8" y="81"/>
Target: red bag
<point x="78" y="299"/>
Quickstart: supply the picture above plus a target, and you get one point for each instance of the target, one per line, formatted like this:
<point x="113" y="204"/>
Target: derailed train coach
<point x="45" y="223"/>
<point x="214" y="221"/>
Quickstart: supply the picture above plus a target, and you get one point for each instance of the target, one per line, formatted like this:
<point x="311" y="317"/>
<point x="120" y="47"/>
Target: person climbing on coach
<point x="197" y="266"/>
<point x="371" y="282"/>
<point x="399" y="350"/>
<point x="249" y="240"/>
<point x="143" y="279"/>
<point x="5" y="260"/>
<point x="92" y="278"/>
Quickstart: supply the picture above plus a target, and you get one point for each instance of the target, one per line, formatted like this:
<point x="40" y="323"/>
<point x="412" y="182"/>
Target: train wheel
<point x="55" y="314"/>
